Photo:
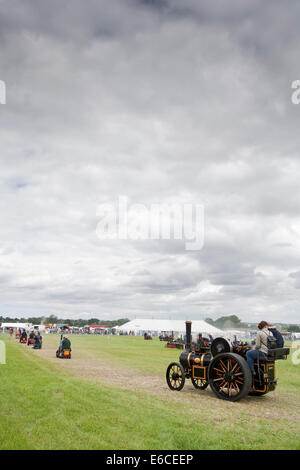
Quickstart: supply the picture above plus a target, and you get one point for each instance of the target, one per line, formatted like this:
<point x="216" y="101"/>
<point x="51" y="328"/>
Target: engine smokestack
<point x="188" y="329"/>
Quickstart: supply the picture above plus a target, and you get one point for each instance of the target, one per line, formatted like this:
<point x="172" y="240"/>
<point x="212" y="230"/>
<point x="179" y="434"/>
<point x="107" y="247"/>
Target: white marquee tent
<point x="22" y="326"/>
<point x="139" y="326"/>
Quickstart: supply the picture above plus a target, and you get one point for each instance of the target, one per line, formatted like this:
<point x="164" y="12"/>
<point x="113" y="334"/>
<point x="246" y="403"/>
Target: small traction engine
<point x="224" y="368"/>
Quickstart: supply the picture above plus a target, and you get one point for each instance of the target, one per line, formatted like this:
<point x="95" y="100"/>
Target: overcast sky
<point x="159" y="101"/>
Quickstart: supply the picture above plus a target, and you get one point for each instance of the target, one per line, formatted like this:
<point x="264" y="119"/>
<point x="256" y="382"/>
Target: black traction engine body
<point x="224" y="367"/>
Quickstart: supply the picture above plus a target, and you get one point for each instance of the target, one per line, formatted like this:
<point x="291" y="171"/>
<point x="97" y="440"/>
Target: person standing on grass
<point x="260" y="350"/>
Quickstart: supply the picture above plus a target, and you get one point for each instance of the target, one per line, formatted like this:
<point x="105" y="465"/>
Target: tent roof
<point x="16" y="325"/>
<point x="148" y="324"/>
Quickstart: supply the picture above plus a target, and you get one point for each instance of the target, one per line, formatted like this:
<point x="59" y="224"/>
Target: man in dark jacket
<point x="30" y="338"/>
<point x="66" y="343"/>
<point x="277" y="335"/>
<point x="38" y="341"/>
<point x="200" y="341"/>
<point x="23" y="335"/>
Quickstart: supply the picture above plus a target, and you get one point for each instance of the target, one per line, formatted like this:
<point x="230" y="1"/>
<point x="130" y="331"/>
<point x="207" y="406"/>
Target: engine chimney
<point x="188" y="329"/>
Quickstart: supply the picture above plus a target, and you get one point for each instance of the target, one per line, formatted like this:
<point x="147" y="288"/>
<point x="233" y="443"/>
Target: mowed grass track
<point x="44" y="406"/>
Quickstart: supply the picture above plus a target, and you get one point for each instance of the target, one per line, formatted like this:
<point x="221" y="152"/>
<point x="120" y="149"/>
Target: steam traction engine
<point x="223" y="367"/>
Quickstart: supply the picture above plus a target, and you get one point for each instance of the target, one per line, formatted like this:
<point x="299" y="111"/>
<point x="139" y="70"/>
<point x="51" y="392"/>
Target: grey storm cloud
<point x="160" y="101"/>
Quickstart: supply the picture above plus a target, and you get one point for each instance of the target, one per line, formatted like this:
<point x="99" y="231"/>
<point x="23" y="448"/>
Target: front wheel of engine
<point x="175" y="376"/>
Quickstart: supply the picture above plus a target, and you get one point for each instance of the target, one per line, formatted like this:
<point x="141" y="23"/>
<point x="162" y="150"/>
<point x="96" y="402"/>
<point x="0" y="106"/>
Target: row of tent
<point x="138" y="326"/>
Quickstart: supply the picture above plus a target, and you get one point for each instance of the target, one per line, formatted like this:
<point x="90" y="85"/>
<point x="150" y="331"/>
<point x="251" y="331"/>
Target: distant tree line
<point x="52" y="319"/>
<point x="232" y="321"/>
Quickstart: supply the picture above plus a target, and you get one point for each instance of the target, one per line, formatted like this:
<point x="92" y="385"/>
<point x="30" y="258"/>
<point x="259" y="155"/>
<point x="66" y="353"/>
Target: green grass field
<point x="112" y="394"/>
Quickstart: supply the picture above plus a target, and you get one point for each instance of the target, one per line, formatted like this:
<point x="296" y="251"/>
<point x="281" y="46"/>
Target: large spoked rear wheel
<point x="199" y="384"/>
<point x="229" y="376"/>
<point x="175" y="376"/>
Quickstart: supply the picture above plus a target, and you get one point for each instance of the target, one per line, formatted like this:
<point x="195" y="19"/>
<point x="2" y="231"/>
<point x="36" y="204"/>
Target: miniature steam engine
<point x="175" y="344"/>
<point x="224" y="368"/>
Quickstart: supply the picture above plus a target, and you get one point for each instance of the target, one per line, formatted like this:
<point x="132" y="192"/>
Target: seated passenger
<point x="277" y="335"/>
<point x="30" y="338"/>
<point x="260" y="349"/>
<point x="65" y="343"/>
<point x="38" y="341"/>
<point x="23" y="335"/>
<point x="200" y="341"/>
